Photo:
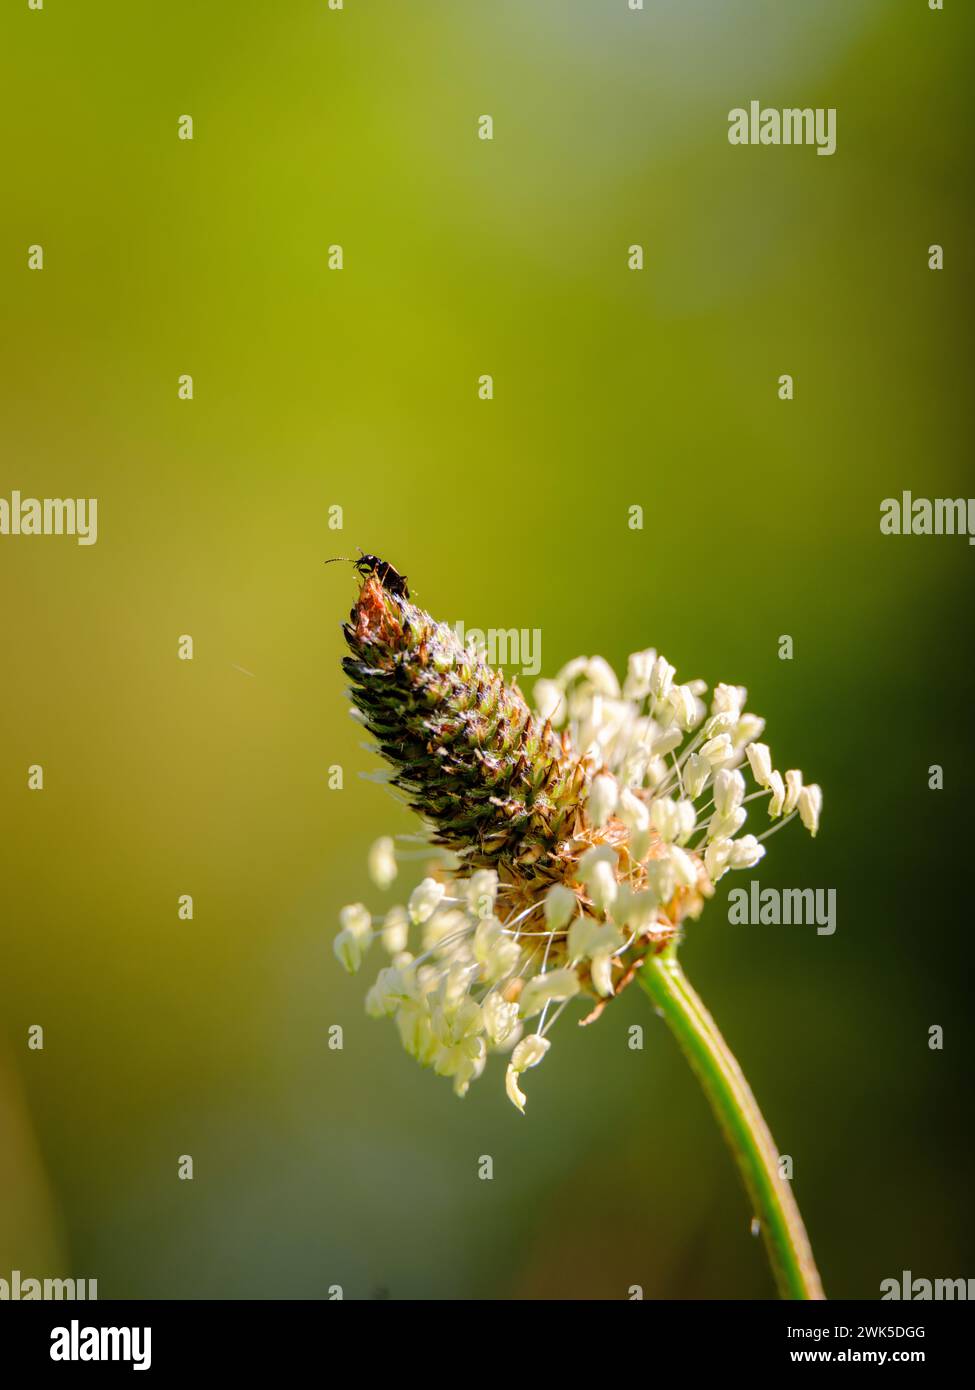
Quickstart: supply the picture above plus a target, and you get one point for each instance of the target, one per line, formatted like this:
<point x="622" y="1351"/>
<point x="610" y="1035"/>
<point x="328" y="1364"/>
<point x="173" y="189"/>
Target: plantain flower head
<point x="566" y="842"/>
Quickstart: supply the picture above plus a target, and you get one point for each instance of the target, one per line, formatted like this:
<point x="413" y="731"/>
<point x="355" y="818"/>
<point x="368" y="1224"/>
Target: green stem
<point x="741" y="1120"/>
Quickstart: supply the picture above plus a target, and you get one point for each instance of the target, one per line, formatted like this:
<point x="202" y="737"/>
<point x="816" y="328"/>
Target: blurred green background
<point x="357" y="388"/>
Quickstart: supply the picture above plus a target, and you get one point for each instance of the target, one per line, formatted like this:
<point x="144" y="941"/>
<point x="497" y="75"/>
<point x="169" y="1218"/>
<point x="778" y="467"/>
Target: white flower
<point x="602" y="677"/>
<point x="684" y="705"/>
<point x="760" y="758"/>
<point x="718" y="751"/>
<point x="425" y="899"/>
<point x="601" y="973"/>
<point x="661" y="678"/>
<point x="450" y="1000"/>
<point x="355" y="938"/>
<point x="716" y="858"/>
<point x="638" y="672"/>
<point x="598" y="943"/>
<point x="729" y="699"/>
<point x="633" y="811"/>
<point x="442" y="927"/>
<point x="686" y="820"/>
<point x="777" y="799"/>
<point x="461" y="1051"/>
<point x="662" y="879"/>
<point x="469" y="1069"/>
<point x="602" y="886"/>
<point x="697" y="770"/>
<point x="528" y="1053"/>
<point x="793" y="786"/>
<point x="673" y="820"/>
<point x="745" y="853"/>
<point x="416" y="1035"/>
<point x="550" y="702"/>
<point x="357" y="919"/>
<point x="640" y="844"/>
<point x="810" y="806"/>
<point x="603" y="796"/>
<point x="497" y="953"/>
<point x="348" y="951"/>
<point x="500" y="1018"/>
<point x="382" y="862"/>
<point x="640" y="911"/>
<point x="723" y="723"/>
<point x="571" y="670"/>
<point x="552" y="986"/>
<point x="497" y="948"/>
<point x="666" y="743"/>
<point x="455" y="1019"/>
<point x="582" y="934"/>
<point x="480" y="892"/>
<point x="388" y="993"/>
<point x="729" y="791"/>
<point x="597" y="870"/>
<point x="685" y="868"/>
<point x="724" y="827"/>
<point x="561" y="904"/>
<point x="396" y="927"/>
<point x="748" y="729"/>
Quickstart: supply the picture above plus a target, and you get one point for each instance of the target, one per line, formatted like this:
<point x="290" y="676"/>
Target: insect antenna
<point x="347" y="558"/>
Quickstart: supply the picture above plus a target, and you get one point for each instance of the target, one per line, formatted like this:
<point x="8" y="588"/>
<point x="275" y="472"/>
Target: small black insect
<point x="388" y="577"/>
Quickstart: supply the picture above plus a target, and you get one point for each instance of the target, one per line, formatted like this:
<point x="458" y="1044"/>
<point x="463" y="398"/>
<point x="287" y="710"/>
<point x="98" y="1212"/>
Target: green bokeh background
<point x="357" y="388"/>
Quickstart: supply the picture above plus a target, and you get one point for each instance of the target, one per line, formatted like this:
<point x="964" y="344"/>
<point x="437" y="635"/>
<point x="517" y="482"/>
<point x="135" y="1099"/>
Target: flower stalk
<point x="736" y="1110"/>
<point x="571" y="841"/>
